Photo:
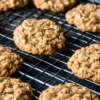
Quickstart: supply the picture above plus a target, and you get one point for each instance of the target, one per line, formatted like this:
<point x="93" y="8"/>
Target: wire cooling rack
<point x="42" y="71"/>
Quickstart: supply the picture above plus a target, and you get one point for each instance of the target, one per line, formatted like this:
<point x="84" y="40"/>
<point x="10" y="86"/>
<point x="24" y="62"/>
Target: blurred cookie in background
<point x="12" y="4"/>
<point x="85" y="17"/>
<point x="55" y="5"/>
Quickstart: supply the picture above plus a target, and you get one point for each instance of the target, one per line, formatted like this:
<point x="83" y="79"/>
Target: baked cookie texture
<point x="85" y="17"/>
<point x="68" y="91"/>
<point x="14" y="89"/>
<point x="55" y="5"/>
<point x="10" y="62"/>
<point x="12" y="4"/>
<point x="39" y="36"/>
<point x="85" y="63"/>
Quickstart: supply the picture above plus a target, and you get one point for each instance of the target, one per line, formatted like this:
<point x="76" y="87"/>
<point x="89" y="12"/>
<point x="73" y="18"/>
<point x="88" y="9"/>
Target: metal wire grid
<point x="42" y="71"/>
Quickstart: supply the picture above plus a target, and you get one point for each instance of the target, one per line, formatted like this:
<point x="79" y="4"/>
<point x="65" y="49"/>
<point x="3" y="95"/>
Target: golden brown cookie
<point x="10" y="62"/>
<point x="39" y="36"/>
<point x="85" y="17"/>
<point x="85" y="63"/>
<point x="14" y="89"/>
<point x="68" y="91"/>
<point x="12" y="4"/>
<point x="54" y="5"/>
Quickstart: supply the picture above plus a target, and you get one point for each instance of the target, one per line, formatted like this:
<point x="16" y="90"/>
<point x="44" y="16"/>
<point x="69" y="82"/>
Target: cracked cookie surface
<point x="85" y="17"/>
<point x="14" y="89"/>
<point x="39" y="36"/>
<point x="55" y="5"/>
<point x="10" y="62"/>
<point x="85" y="63"/>
<point x="12" y="4"/>
<point x="68" y="91"/>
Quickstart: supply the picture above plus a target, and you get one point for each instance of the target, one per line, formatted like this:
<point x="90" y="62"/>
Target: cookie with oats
<point x="39" y="36"/>
<point x="85" y="63"/>
<point x="68" y="91"/>
<point x="14" y="89"/>
<point x="55" y="5"/>
<point x="12" y="4"/>
<point x="85" y="17"/>
<point x="10" y="62"/>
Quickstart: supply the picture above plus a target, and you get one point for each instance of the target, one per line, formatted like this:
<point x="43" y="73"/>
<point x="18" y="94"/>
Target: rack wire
<point x="42" y="71"/>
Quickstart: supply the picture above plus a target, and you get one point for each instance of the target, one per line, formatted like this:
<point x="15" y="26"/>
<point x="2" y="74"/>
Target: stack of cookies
<point x="45" y="37"/>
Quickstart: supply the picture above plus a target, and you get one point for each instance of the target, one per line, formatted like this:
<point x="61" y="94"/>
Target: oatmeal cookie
<point x="10" y="62"/>
<point x="85" y="63"/>
<point x="14" y="89"/>
<point x="39" y="36"/>
<point x="55" y="5"/>
<point x="12" y="4"/>
<point x="68" y="91"/>
<point x="85" y="17"/>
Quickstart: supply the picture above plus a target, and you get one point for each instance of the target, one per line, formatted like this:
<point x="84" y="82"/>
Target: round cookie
<point x="85" y="63"/>
<point x="12" y="4"/>
<point x="14" y="89"/>
<point x="39" y="36"/>
<point x="85" y="17"/>
<point x="68" y="91"/>
<point x="55" y="5"/>
<point x="10" y="62"/>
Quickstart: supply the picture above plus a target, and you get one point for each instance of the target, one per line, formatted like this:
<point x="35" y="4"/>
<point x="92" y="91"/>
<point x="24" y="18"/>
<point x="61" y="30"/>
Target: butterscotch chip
<point x="12" y="4"/>
<point x="14" y="89"/>
<point x="85" y="17"/>
<point x="39" y="36"/>
<point x="85" y="62"/>
<point x="68" y="91"/>
<point x="10" y="62"/>
<point x="55" y="5"/>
